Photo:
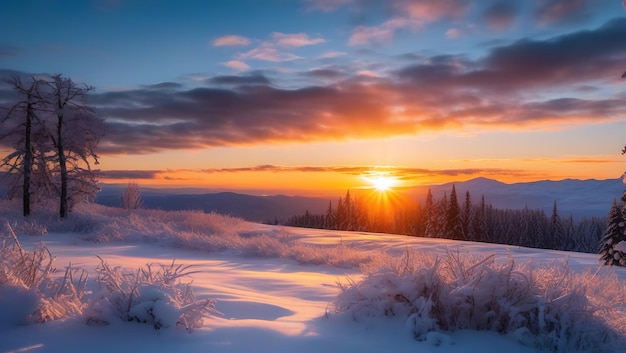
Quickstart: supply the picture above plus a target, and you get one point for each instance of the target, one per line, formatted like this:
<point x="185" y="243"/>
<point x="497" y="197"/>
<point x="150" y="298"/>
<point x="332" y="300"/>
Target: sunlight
<point x="382" y="182"/>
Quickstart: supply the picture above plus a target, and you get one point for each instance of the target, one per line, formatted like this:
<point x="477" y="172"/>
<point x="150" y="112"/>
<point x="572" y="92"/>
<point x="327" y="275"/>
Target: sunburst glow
<point x="382" y="182"/>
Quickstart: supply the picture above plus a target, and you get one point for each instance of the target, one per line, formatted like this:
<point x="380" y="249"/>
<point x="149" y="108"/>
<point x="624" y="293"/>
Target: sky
<point x="313" y="96"/>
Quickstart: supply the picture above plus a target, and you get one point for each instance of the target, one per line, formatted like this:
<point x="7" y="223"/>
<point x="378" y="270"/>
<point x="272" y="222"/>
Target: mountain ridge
<point x="575" y="197"/>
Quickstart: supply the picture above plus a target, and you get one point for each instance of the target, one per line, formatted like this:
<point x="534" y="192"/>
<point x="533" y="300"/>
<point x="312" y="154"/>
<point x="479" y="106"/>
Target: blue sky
<point x="514" y="90"/>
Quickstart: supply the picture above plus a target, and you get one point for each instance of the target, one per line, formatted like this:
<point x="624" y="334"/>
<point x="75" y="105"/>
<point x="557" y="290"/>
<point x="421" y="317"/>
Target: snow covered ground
<point x="267" y="303"/>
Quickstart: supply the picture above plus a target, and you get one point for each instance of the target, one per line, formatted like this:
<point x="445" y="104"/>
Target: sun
<point x="382" y="182"/>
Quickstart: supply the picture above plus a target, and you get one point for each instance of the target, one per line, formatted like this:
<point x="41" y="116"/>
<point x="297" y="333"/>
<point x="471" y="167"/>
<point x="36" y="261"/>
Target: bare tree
<point x="75" y="135"/>
<point x="18" y="125"/>
<point x="131" y="197"/>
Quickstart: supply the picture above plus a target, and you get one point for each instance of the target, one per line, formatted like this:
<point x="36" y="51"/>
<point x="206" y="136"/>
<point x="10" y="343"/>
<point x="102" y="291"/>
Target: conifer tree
<point x="430" y="216"/>
<point x="467" y="217"/>
<point x="613" y="234"/>
<point x="341" y="215"/>
<point x="557" y="231"/>
<point x="453" y="224"/>
<point x="478" y="222"/>
<point x="330" y="217"/>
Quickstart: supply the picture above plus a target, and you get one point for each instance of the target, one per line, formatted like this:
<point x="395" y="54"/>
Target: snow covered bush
<point x="548" y="307"/>
<point x="131" y="197"/>
<point x="153" y="295"/>
<point x="28" y="275"/>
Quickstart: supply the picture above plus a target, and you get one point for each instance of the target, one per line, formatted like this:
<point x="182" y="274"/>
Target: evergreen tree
<point x="330" y="221"/>
<point x="613" y="234"/>
<point x="341" y="215"/>
<point x="348" y="205"/>
<point x="478" y="222"/>
<point x="453" y="224"/>
<point x="557" y="231"/>
<point x="467" y="217"/>
<point x="430" y="222"/>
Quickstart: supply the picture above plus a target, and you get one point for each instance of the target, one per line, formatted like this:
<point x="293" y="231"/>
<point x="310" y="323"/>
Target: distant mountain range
<point x="249" y="207"/>
<point x="579" y="198"/>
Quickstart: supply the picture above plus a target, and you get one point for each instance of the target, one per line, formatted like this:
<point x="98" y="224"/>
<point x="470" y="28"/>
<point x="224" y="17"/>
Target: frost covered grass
<point x="26" y="277"/>
<point x="548" y="307"/>
<point x="152" y="295"/>
<point x="194" y="230"/>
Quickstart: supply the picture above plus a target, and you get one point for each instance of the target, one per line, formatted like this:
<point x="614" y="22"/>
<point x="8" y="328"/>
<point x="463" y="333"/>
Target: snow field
<point x="276" y="289"/>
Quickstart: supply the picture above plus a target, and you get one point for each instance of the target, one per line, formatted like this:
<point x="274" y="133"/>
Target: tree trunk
<point x="62" y="167"/>
<point x="28" y="159"/>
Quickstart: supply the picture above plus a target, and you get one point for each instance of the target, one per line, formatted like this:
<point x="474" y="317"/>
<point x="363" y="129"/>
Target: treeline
<point x="450" y="219"/>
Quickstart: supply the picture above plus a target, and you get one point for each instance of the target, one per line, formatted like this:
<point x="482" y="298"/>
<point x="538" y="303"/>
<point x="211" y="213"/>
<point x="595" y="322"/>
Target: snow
<point x="265" y="304"/>
<point x="621" y="246"/>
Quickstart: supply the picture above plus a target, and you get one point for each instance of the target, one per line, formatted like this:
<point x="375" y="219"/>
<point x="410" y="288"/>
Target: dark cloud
<point x="562" y="11"/>
<point x="329" y="74"/>
<point x="129" y="174"/>
<point x="564" y="60"/>
<point x="251" y="79"/>
<point x="500" y="15"/>
<point x="165" y="86"/>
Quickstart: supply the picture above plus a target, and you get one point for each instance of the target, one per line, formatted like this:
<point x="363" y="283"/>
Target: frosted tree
<point x="430" y="216"/>
<point x="613" y="234"/>
<point x="330" y="219"/>
<point x="454" y="224"/>
<point x="75" y="133"/>
<point x="19" y="126"/>
<point x="467" y="216"/>
<point x="557" y="231"/>
<point x="131" y="197"/>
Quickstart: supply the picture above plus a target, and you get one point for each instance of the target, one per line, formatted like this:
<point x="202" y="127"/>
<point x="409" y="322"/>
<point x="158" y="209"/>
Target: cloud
<point x="557" y="62"/>
<point x="129" y="174"/>
<point x="378" y="35"/>
<point x="268" y="53"/>
<point x="165" y="86"/>
<point x="562" y="11"/>
<point x="328" y="74"/>
<point x="294" y="40"/>
<point x="249" y="79"/>
<point x="332" y="54"/>
<point x="432" y="10"/>
<point x="402" y="173"/>
<point x="231" y="40"/>
<point x="501" y="15"/>
<point x="499" y="90"/>
<point x="453" y="33"/>
<point x="408" y="15"/>
<point x="237" y="65"/>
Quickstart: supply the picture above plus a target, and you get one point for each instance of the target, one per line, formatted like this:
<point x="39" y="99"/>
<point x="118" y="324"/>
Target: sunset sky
<point x="310" y="96"/>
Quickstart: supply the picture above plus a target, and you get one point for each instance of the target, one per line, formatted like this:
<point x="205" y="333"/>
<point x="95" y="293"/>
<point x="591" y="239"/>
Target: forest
<point x="450" y="219"/>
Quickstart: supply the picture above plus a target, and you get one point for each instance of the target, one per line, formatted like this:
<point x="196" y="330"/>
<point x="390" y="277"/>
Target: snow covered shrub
<point x="29" y="273"/>
<point x="131" y="197"/>
<point x="153" y="295"/>
<point x="548" y="307"/>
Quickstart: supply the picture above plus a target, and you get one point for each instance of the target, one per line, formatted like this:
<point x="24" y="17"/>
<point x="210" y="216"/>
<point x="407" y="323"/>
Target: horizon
<point x="322" y="96"/>
<point x="329" y="193"/>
